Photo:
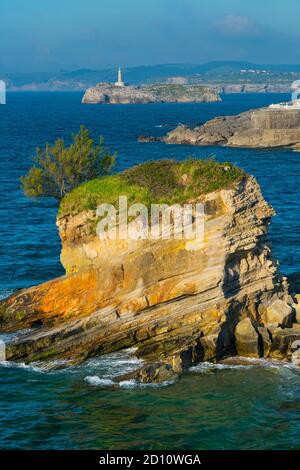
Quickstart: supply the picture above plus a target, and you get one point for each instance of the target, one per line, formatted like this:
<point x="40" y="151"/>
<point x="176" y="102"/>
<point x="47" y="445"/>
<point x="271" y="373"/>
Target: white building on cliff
<point x="288" y="105"/>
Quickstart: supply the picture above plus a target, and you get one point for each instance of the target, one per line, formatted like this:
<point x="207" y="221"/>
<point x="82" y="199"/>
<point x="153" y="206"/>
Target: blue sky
<point x="42" y="35"/>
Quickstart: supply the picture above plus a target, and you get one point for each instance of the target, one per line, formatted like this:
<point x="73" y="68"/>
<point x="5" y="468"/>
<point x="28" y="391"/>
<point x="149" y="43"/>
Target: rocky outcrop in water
<point x="178" y="302"/>
<point x="106" y="93"/>
<point x="265" y="127"/>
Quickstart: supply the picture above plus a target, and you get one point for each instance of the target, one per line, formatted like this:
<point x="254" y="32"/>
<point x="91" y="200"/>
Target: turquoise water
<point x="210" y="407"/>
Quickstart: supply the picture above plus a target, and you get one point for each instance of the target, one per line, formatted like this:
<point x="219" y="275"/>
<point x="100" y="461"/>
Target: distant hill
<point x="83" y="78"/>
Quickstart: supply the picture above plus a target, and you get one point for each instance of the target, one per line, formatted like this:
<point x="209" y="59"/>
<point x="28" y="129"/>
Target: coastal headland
<point x="259" y="128"/>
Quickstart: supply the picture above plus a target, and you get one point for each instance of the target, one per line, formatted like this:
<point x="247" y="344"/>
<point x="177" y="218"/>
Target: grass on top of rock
<point x="153" y="182"/>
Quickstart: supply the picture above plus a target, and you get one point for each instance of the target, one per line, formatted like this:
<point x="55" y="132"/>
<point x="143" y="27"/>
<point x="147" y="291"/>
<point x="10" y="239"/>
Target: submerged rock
<point x="145" y="138"/>
<point x="151" y="373"/>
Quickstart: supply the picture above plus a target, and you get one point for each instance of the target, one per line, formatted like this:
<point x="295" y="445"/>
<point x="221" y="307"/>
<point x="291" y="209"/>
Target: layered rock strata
<point x="178" y="302"/>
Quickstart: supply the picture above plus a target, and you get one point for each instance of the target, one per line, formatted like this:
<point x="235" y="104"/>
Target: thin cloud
<point x="236" y="25"/>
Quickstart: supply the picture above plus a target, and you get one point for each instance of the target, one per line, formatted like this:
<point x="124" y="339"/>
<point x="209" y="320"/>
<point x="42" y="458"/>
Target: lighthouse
<point x="120" y="82"/>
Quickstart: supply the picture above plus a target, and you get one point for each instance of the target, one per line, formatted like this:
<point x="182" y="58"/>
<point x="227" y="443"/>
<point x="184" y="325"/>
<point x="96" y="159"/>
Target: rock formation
<point x="107" y="93"/>
<point x="264" y="127"/>
<point x="178" y="301"/>
<point x="266" y="87"/>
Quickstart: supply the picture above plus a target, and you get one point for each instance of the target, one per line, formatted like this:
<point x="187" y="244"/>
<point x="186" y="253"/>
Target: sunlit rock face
<point x="264" y="127"/>
<point x="177" y="301"/>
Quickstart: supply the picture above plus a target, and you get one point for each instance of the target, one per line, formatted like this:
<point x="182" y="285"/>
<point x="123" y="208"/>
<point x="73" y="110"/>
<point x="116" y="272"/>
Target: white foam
<point x="166" y="383"/>
<point x="268" y="363"/>
<point x="128" y="384"/>
<point x="210" y="366"/>
<point x="113" y="365"/>
<point x="204" y="367"/>
<point x="39" y="366"/>
<point x="5" y="293"/>
<point x="133" y="384"/>
<point x="97" y="381"/>
<point x="21" y="365"/>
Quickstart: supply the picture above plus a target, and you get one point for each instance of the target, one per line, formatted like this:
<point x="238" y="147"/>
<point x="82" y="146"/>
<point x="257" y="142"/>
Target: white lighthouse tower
<point x="120" y="82"/>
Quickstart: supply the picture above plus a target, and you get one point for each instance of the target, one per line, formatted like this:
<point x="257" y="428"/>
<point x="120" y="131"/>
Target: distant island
<point x="120" y="93"/>
<point x="275" y="126"/>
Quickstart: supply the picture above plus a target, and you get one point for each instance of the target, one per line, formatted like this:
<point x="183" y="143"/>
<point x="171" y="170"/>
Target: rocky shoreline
<point x="106" y="93"/>
<point x="261" y="128"/>
<point x="233" y="88"/>
<point x="178" y="306"/>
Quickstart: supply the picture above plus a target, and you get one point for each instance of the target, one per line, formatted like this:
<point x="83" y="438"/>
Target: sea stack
<point x="177" y="303"/>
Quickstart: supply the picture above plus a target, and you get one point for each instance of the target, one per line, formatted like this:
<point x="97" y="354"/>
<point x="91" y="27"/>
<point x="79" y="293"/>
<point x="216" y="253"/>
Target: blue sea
<point x="211" y="406"/>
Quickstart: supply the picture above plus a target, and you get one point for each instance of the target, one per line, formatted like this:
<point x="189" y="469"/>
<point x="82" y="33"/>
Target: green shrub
<point x="60" y="169"/>
<point x="154" y="182"/>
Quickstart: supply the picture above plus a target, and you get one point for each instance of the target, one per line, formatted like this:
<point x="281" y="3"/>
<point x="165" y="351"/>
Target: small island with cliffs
<point x="121" y="93"/>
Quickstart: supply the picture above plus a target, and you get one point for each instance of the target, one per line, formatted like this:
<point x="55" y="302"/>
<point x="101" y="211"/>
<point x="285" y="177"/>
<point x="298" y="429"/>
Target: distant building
<point x="258" y="72"/>
<point x="288" y="105"/>
<point x="177" y="80"/>
<point x="120" y="82"/>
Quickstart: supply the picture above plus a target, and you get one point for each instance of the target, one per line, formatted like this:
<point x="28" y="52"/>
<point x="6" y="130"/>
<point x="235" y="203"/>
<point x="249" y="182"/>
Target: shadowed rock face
<point x="110" y="94"/>
<point x="177" y="301"/>
<point x="257" y="128"/>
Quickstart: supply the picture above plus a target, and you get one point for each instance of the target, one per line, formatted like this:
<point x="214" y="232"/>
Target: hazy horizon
<point x="71" y="35"/>
<point x="116" y="66"/>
